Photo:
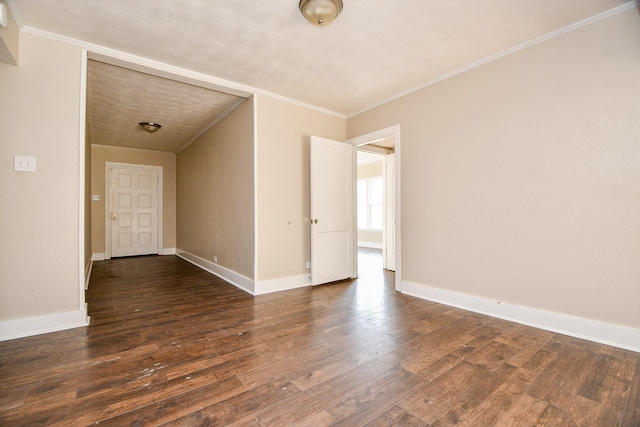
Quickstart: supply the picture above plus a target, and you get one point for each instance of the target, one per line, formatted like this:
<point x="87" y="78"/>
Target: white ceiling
<point x="375" y="50"/>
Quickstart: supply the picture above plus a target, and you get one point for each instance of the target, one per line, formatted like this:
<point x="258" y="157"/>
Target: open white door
<point x="332" y="211"/>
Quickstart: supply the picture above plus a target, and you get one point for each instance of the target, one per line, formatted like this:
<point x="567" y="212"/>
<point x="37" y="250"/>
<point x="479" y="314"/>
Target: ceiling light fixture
<point x="150" y="126"/>
<point x="320" y="12"/>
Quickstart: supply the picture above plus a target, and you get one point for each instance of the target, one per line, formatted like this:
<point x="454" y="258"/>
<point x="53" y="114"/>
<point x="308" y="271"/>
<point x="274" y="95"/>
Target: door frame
<point x="389" y="211"/>
<point x="107" y="204"/>
<point x="392" y="131"/>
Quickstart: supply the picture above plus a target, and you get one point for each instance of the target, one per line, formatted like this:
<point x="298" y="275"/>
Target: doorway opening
<point x="378" y="198"/>
<point x="369" y="263"/>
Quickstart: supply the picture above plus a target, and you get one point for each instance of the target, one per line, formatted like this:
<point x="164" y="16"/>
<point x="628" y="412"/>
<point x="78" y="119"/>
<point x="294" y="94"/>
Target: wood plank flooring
<point x="170" y="344"/>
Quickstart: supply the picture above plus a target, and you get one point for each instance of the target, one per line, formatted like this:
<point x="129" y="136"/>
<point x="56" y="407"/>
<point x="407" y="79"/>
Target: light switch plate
<point x="24" y="164"/>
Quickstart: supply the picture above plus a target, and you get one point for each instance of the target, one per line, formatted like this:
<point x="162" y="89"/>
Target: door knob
<point x="315" y="221"/>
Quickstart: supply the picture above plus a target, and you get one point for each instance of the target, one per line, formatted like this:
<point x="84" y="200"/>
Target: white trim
<point x="116" y="57"/>
<point x="101" y="256"/>
<point x="236" y="279"/>
<point x="29" y="326"/>
<point x="134" y="62"/>
<point x="107" y="204"/>
<point x="154" y="68"/>
<point x="282" y="284"/>
<point x="575" y="26"/>
<point x="244" y="283"/>
<point x="255" y="186"/>
<point x="393" y="131"/>
<point x="605" y="333"/>
<point x="83" y="278"/>
<point x="371" y="245"/>
<point x="87" y="274"/>
<point x="148" y="66"/>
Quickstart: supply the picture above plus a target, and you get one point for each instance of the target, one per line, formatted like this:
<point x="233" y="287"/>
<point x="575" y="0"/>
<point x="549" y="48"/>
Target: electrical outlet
<point x="24" y="163"/>
<point x="215" y="259"/>
<point x="308" y="264"/>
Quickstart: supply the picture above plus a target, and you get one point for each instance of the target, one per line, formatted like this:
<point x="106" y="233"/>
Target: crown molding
<point x="557" y="33"/>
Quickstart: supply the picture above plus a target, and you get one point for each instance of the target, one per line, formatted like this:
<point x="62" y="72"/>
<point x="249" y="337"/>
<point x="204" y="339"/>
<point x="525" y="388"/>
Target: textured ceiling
<point x="375" y="50"/>
<point x="119" y="98"/>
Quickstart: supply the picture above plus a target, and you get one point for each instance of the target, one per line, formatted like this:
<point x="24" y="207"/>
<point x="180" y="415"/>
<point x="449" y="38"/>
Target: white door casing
<point x="333" y="226"/>
<point x="133" y="210"/>
<point x="390" y="213"/>
<point x="392" y="131"/>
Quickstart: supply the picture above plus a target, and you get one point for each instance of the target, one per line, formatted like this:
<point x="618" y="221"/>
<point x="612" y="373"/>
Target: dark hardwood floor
<point x="171" y="344"/>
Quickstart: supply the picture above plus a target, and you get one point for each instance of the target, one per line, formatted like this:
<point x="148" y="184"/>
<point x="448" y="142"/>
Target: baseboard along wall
<point x="592" y="330"/>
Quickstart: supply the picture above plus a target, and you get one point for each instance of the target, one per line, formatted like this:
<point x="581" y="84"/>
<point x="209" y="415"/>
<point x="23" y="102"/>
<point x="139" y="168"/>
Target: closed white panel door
<point x="134" y="211"/>
<point x="332" y="211"/>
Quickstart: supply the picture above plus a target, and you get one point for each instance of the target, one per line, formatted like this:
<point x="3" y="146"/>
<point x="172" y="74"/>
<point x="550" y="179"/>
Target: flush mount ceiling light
<point x="320" y="12"/>
<point x="150" y="126"/>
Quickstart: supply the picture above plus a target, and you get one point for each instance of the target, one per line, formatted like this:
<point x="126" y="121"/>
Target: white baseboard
<point x="246" y="284"/>
<point x="372" y="245"/>
<point x="101" y="256"/>
<point x="230" y="276"/>
<point x="605" y="333"/>
<point x="284" y="284"/>
<point x="26" y="327"/>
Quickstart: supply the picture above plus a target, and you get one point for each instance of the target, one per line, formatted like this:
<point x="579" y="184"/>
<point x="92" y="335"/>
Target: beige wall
<point x="283" y="132"/>
<point x="366" y="237"/>
<point x="215" y="193"/>
<point x="521" y="178"/>
<point x="102" y="154"/>
<point x="40" y="116"/>
<point x="369" y="170"/>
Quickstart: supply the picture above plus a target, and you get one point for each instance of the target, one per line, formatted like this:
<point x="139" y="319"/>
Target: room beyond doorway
<point x="370" y="271"/>
<point x="392" y="221"/>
